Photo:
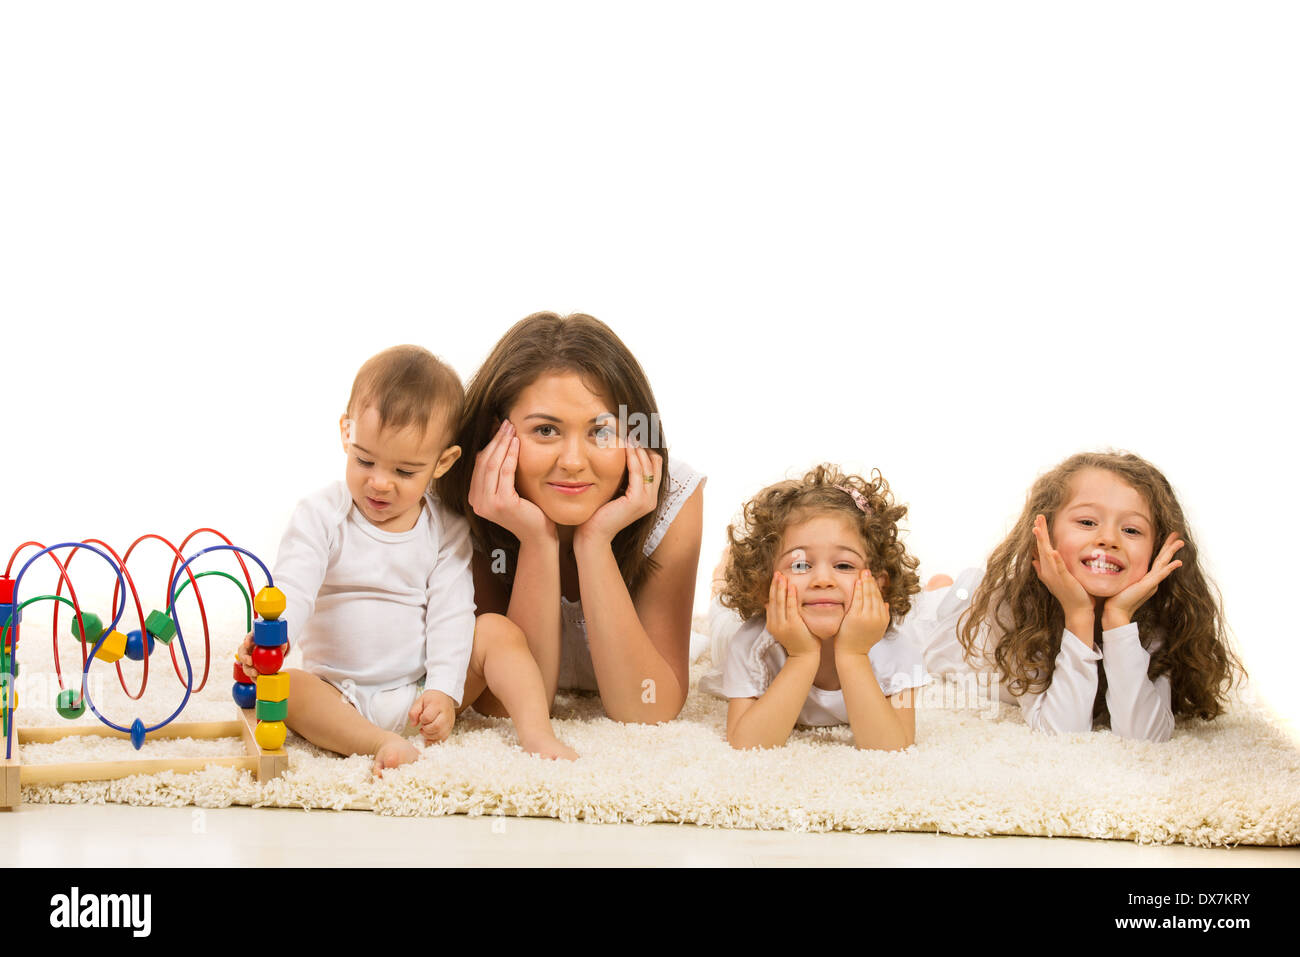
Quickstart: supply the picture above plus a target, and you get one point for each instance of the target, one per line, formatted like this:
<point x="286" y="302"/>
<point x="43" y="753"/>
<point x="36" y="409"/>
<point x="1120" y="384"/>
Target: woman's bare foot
<point x="549" y="747"/>
<point x="395" y="751"/>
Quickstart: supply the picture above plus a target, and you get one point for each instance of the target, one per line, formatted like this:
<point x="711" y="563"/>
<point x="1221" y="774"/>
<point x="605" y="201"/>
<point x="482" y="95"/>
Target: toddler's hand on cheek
<point x="785" y="623"/>
<point x="867" y="619"/>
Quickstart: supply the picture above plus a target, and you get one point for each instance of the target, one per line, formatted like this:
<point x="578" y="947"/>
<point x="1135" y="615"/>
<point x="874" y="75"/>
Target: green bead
<point x="160" y="626"/>
<point x="93" y="625"/>
<point x="272" y="710"/>
<point x="70" y="704"/>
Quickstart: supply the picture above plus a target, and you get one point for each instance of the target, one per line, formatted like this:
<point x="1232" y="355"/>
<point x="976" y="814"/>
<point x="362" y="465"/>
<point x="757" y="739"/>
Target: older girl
<point x="1094" y="610"/>
<point x="586" y="532"/>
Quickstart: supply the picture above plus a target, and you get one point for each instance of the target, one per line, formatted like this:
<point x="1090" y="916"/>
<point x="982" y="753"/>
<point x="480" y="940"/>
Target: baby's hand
<point x="245" y="656"/>
<point x="784" y="622"/>
<point x="866" y="620"/>
<point x="435" y="714"/>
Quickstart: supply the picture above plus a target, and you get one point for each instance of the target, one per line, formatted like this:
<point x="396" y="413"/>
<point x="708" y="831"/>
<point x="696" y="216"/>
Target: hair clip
<point x="857" y="497"/>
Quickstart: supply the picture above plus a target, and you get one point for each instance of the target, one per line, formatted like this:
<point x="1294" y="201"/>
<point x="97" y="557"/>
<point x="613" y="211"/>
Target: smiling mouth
<point x="1103" y="567"/>
<point x="569" y="489"/>
<point x="823" y="604"/>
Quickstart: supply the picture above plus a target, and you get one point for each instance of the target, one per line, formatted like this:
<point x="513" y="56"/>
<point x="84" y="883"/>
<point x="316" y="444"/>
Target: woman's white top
<point x="576" y="669"/>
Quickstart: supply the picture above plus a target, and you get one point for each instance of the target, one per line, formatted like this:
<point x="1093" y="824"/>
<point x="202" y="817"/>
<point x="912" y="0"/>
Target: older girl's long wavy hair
<point x="548" y="343"/>
<point x="756" y="541"/>
<point x="1186" y="611"/>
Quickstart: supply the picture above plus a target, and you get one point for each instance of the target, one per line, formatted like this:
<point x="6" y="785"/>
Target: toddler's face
<point x="389" y="470"/>
<point x="1104" y="533"/>
<point x="570" y="462"/>
<point x="822" y="557"/>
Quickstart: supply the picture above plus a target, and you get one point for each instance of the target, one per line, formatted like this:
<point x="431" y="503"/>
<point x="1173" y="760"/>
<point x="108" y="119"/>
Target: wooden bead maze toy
<point x="262" y="706"/>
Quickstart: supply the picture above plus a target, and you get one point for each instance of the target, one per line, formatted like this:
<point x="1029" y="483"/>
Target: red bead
<point x="268" y="660"/>
<point x="6" y="591"/>
<point x="240" y="677"/>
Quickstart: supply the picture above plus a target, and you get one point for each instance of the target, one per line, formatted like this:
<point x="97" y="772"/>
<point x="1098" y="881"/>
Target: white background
<point x="957" y="242"/>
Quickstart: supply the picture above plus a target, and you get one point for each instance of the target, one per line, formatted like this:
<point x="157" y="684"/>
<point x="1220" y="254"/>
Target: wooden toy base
<point x="265" y="764"/>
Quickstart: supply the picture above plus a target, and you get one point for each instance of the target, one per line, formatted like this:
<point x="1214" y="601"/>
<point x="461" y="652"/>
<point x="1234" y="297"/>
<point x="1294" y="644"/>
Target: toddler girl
<point x="1084" y="613"/>
<point x="818" y="575"/>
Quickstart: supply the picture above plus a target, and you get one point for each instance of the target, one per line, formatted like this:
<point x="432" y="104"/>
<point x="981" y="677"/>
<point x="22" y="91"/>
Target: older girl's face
<point x="1104" y="532"/>
<point x="570" y="461"/>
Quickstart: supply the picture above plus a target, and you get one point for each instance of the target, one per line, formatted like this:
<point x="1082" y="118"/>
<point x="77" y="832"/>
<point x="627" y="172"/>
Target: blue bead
<point x="5" y="612"/>
<point x="268" y="634"/>
<point x="137" y="734"/>
<point x="135" y="646"/>
<point x="245" y="695"/>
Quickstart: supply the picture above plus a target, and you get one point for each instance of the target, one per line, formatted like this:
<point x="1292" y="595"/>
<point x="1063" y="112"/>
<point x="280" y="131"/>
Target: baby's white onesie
<point x="378" y="613"/>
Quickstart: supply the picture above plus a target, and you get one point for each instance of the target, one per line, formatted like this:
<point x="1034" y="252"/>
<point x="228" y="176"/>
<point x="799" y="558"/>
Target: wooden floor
<point x="121" y="836"/>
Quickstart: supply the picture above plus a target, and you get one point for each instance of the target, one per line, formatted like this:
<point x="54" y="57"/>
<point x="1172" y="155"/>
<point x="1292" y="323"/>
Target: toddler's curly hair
<point x="755" y="541"/>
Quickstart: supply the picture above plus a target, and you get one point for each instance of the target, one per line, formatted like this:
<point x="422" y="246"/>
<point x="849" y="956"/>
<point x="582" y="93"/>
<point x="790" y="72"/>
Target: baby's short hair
<point x="408" y="386"/>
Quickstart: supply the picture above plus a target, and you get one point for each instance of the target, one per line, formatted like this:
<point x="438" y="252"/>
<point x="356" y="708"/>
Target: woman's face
<point x="570" y="461"/>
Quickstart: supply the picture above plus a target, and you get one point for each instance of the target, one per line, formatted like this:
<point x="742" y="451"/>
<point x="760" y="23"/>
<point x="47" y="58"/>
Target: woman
<point x="586" y="536"/>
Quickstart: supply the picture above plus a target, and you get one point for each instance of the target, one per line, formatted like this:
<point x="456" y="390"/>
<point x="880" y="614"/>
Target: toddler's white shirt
<point x="746" y="659"/>
<point x="1139" y="707"/>
<point x="383" y="609"/>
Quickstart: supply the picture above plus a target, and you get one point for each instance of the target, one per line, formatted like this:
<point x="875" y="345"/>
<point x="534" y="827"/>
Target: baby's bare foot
<point x="549" y="747"/>
<point x="395" y="751"/>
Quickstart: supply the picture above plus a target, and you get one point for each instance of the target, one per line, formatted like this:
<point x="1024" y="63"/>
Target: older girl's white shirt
<point x="1139" y="707"/>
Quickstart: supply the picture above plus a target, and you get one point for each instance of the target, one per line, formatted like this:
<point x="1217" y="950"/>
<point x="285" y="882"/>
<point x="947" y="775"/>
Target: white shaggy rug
<point x="1232" y="781"/>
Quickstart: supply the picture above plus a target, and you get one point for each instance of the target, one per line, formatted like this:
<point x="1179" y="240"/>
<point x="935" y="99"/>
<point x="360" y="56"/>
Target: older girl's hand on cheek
<point x="1075" y="601"/>
<point x="492" y="492"/>
<point x="644" y="473"/>
<point x="1119" y="610"/>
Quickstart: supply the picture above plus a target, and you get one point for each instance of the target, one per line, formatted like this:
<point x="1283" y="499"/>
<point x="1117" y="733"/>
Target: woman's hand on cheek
<point x="492" y="492"/>
<point x="640" y="498"/>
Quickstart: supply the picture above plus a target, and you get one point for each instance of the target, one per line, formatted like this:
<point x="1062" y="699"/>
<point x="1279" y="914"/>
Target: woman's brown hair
<point x="756" y="540"/>
<point x="546" y="343"/>
<point x="1186" y="612"/>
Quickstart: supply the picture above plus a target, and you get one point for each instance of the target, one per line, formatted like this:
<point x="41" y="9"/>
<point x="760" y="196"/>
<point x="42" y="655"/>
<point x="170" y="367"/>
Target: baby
<point x="377" y="578"/>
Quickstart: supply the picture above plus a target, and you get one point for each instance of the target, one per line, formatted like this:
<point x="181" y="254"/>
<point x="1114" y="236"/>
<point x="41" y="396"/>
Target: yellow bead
<point x="114" y="647"/>
<point x="270" y="735"/>
<point x="273" y="687"/>
<point x="269" y="603"/>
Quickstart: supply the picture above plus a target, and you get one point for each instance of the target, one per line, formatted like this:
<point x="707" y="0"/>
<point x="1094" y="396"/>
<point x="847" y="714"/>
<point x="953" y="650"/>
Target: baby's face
<point x="822" y="557"/>
<point x="570" y="462"/>
<point x="389" y="470"/>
